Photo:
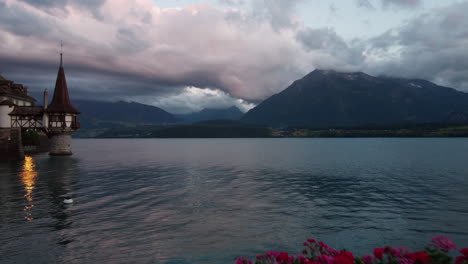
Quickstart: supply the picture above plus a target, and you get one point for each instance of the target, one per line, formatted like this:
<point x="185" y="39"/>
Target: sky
<point x="186" y="55"/>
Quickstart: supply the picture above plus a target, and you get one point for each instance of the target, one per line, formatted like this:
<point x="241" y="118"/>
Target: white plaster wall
<point x="56" y="124"/>
<point x="45" y="120"/>
<point x="68" y="120"/>
<point x="18" y="102"/>
<point x="5" y="119"/>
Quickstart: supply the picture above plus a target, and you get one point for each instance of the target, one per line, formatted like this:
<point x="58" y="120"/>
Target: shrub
<point x="319" y="253"/>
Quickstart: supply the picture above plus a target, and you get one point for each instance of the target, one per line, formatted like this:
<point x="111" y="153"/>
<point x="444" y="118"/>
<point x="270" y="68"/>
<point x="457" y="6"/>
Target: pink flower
<point x="378" y="253"/>
<point x="443" y="243"/>
<point x="367" y="259"/>
<point x="342" y="260"/>
<point x="284" y="257"/>
<point x="346" y="254"/>
<point x="259" y="256"/>
<point x="329" y="255"/>
<point x="324" y="259"/>
<point x="461" y="259"/>
<point x="400" y="252"/>
<point x="303" y="260"/>
<point x="243" y="261"/>
<point x="420" y="257"/>
<point x="388" y="250"/>
<point x="271" y="254"/>
<point x="405" y="261"/>
<point x="331" y="251"/>
<point x="322" y="244"/>
<point x="344" y="257"/>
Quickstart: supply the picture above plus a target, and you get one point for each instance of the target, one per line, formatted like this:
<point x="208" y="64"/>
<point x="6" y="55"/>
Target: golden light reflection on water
<point x="28" y="177"/>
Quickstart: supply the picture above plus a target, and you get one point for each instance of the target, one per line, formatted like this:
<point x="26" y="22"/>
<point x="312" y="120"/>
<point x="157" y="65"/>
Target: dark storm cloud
<point x="83" y="82"/>
<point x="18" y="21"/>
<point x="171" y="51"/>
<point x="162" y="70"/>
<point x="136" y="50"/>
<point x="101" y="84"/>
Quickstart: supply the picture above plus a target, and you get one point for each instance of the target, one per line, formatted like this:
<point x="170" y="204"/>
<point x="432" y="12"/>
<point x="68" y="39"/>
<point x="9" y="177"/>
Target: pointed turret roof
<point x="61" y="100"/>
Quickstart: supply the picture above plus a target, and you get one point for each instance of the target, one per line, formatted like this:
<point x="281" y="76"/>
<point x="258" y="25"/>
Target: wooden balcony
<point x="75" y="125"/>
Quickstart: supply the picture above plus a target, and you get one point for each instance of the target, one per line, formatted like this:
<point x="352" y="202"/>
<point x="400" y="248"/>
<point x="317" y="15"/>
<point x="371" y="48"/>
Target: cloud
<point x="232" y="2"/>
<point x="18" y="21"/>
<point x="432" y="46"/>
<point x="404" y="3"/>
<point x="369" y="4"/>
<point x="47" y="4"/>
<point x="364" y="3"/>
<point x="279" y="13"/>
<point x="198" y="46"/>
<point x="135" y="50"/>
<point x="330" y="50"/>
<point x="57" y="7"/>
<point x="193" y="99"/>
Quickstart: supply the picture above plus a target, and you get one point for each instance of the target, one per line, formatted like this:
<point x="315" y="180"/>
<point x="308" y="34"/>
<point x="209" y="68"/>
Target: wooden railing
<point x="75" y="125"/>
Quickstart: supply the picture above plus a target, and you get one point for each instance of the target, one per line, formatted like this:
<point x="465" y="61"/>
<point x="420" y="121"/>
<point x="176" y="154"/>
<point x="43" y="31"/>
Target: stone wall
<point x="44" y="143"/>
<point x="11" y="146"/>
<point x="5" y="119"/>
<point x="60" y="145"/>
<point x="42" y="146"/>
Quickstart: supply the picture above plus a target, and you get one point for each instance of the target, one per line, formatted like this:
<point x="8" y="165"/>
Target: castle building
<point x="60" y="117"/>
<point x="12" y="95"/>
<point x="58" y="120"/>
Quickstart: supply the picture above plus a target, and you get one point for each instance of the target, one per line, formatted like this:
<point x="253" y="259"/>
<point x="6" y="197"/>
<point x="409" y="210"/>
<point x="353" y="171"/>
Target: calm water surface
<point x="210" y="200"/>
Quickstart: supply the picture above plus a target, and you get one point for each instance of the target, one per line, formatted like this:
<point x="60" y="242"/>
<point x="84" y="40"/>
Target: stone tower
<point x="61" y="117"/>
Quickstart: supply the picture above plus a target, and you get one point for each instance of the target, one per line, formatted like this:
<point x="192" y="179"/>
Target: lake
<point x="211" y="200"/>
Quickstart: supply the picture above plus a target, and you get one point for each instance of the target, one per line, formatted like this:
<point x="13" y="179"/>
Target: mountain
<point x="330" y="98"/>
<point x="231" y="113"/>
<point x="96" y="114"/>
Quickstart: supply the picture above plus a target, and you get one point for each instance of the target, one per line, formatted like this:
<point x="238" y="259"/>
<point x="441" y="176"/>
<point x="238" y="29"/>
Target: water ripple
<point x="208" y="201"/>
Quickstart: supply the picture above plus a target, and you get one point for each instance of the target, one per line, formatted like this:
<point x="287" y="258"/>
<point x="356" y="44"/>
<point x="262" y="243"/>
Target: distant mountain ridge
<point x="95" y="114"/>
<point x="107" y="114"/>
<point x="231" y="113"/>
<point x="320" y="99"/>
<point x="331" y="98"/>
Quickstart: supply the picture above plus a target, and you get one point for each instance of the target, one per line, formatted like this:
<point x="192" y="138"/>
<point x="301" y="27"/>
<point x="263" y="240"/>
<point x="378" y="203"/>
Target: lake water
<point x="210" y="200"/>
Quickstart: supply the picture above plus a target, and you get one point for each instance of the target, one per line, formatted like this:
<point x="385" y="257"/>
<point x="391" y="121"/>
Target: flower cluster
<point x="464" y="258"/>
<point x="320" y="253"/>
